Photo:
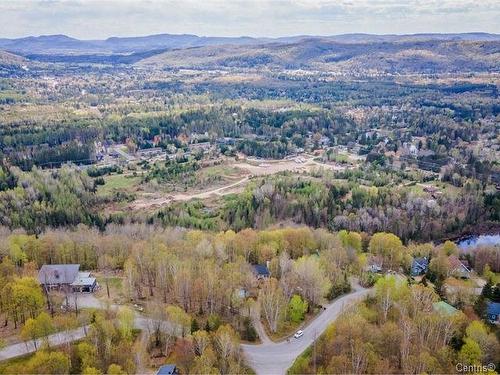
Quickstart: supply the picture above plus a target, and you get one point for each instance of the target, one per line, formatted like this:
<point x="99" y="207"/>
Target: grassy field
<point x="115" y="287"/>
<point x="118" y="182"/>
<point x="218" y="174"/>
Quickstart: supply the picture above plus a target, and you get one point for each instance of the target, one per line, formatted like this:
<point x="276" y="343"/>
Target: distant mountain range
<point x="65" y="45"/>
<point x="426" y="56"/>
<point x="62" y="44"/>
<point x="419" y="53"/>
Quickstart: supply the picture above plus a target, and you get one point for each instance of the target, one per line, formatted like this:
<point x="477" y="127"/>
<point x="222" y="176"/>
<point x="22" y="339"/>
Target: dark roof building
<point x="261" y="271"/>
<point x="493" y="312"/>
<point x="167" y="370"/>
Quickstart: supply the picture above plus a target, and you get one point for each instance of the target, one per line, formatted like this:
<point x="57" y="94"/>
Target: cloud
<point x="89" y="19"/>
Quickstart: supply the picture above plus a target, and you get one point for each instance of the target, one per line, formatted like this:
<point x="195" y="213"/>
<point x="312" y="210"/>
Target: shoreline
<point x="484" y="229"/>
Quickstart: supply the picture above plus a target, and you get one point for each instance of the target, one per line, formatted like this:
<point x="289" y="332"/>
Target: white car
<point x="298" y="334"/>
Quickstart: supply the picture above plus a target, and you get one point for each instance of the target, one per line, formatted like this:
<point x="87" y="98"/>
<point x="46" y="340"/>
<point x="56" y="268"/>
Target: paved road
<point x="56" y="339"/>
<point x="266" y="358"/>
<point x="276" y="358"/>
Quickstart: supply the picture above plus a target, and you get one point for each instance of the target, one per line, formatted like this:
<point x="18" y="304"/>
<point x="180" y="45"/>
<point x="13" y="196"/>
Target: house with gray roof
<point x="419" y="266"/>
<point x="66" y="277"/>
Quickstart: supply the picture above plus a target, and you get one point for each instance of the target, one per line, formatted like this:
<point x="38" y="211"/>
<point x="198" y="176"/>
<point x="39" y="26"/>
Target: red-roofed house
<point x="458" y="268"/>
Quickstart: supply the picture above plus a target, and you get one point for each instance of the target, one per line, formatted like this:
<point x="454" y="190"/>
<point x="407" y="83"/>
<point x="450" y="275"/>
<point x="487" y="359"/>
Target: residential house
<point x="66" y="277"/>
<point x="84" y="283"/>
<point x="419" y="266"/>
<point x="167" y="370"/>
<point x="374" y="264"/>
<point x="243" y="293"/>
<point x="458" y="268"/>
<point x="493" y="312"/>
<point x="375" y="268"/>
<point x="261" y="271"/>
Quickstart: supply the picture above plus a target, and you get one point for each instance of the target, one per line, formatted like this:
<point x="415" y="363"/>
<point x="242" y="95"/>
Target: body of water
<point x="482" y="240"/>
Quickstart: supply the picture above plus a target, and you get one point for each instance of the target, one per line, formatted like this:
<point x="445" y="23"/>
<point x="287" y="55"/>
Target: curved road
<point x="272" y="358"/>
<point x="266" y="358"/>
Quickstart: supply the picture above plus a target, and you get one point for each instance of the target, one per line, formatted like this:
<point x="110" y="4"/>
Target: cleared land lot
<point x="248" y="167"/>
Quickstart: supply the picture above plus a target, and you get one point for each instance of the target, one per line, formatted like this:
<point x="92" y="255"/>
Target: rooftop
<point x="444" y="308"/>
<point x="456" y="263"/>
<point x="421" y="261"/>
<point x="493" y="308"/>
<point x="83" y="279"/>
<point x="261" y="270"/>
<point x="58" y="273"/>
<point x="167" y="370"/>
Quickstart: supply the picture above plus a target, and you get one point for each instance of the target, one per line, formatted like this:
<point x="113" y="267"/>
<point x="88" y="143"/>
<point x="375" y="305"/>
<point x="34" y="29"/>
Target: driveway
<point x="276" y="358"/>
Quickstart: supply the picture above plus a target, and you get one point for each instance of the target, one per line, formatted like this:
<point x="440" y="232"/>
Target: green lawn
<point x="115" y="282"/>
<point x="416" y="189"/>
<point x="117" y="182"/>
<point x="219" y="170"/>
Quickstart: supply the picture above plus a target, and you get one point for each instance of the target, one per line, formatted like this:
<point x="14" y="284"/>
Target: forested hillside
<point x="401" y="57"/>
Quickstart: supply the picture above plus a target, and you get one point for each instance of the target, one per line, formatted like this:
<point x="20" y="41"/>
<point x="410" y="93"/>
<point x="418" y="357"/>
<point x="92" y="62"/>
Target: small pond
<point x="482" y="240"/>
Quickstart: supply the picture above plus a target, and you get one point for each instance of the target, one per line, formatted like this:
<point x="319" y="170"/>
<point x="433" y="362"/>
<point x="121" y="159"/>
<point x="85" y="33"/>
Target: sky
<point x="99" y="19"/>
